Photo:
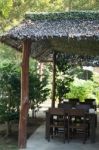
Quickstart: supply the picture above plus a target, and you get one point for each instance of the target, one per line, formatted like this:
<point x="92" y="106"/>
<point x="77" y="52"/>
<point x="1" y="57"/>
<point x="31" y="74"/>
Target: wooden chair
<point x="92" y="103"/>
<point x="77" y="124"/>
<point x="85" y="107"/>
<point x="56" y="123"/>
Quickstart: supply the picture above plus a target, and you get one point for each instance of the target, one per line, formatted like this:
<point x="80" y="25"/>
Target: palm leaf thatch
<point x="72" y="33"/>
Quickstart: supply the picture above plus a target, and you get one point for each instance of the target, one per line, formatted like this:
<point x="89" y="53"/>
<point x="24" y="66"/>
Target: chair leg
<point x="48" y="135"/>
<point x="64" y="134"/>
<point x="51" y="132"/>
<point x="68" y="135"/>
<point x="85" y="137"/>
<point x="56" y="131"/>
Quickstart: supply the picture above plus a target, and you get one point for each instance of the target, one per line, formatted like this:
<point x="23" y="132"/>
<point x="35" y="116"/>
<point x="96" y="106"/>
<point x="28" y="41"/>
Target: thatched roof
<point x="70" y="32"/>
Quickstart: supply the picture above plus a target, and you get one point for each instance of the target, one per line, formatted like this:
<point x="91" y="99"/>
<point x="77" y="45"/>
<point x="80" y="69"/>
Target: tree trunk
<point x="24" y="95"/>
<point x="8" y="128"/>
<point x="8" y="123"/>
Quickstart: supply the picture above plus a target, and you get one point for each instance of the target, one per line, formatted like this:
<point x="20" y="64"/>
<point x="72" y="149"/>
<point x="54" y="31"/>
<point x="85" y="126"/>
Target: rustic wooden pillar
<point x="24" y="106"/>
<point x="54" y="84"/>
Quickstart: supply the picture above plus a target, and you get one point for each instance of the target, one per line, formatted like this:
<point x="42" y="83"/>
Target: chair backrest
<point x="83" y="106"/>
<point x="91" y="102"/>
<point x="76" y="112"/>
<point x="65" y="105"/>
<point x="56" y="111"/>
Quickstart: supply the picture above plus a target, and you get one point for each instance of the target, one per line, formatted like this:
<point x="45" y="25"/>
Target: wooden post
<point x="24" y="106"/>
<point x="92" y="119"/>
<point x="54" y="84"/>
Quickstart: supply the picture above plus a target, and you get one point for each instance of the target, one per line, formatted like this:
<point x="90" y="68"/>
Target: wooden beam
<point x="54" y="84"/>
<point x="24" y="106"/>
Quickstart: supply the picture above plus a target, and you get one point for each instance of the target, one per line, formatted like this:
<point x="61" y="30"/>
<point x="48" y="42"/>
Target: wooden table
<point x="92" y="121"/>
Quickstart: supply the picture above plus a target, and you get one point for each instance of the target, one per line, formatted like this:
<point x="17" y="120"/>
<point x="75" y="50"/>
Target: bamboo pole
<point x="24" y="106"/>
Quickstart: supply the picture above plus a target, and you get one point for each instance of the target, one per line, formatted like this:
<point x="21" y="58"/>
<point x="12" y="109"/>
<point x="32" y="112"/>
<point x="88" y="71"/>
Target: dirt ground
<point x="11" y="142"/>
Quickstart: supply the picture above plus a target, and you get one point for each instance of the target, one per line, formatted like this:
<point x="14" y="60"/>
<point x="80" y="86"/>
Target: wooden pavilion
<point x="41" y="36"/>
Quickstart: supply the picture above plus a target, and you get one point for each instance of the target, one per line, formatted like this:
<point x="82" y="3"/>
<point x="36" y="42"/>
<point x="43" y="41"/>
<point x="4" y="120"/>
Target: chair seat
<point x="78" y="126"/>
<point x="57" y="126"/>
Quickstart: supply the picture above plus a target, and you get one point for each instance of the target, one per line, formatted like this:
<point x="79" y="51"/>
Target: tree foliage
<point x="62" y="86"/>
<point x="9" y="54"/>
<point x="38" y="91"/>
<point x="13" y="11"/>
<point x="9" y="93"/>
<point x="5" y="7"/>
<point x="10" y="89"/>
<point x="81" y="89"/>
<point x="63" y="78"/>
<point x="96" y="86"/>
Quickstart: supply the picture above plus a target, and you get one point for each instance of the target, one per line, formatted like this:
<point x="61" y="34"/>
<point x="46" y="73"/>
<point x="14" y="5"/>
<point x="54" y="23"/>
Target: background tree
<point x="12" y="11"/>
<point x="10" y="73"/>
<point x="63" y="78"/>
<point x="9" y="93"/>
<point x="38" y="92"/>
<point x="81" y="89"/>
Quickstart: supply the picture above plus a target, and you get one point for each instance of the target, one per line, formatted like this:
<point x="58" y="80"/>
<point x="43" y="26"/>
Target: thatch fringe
<point x="88" y="15"/>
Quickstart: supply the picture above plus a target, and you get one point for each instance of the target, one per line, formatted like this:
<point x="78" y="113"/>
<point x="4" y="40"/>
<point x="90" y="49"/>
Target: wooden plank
<point x="54" y="84"/>
<point x="24" y="106"/>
